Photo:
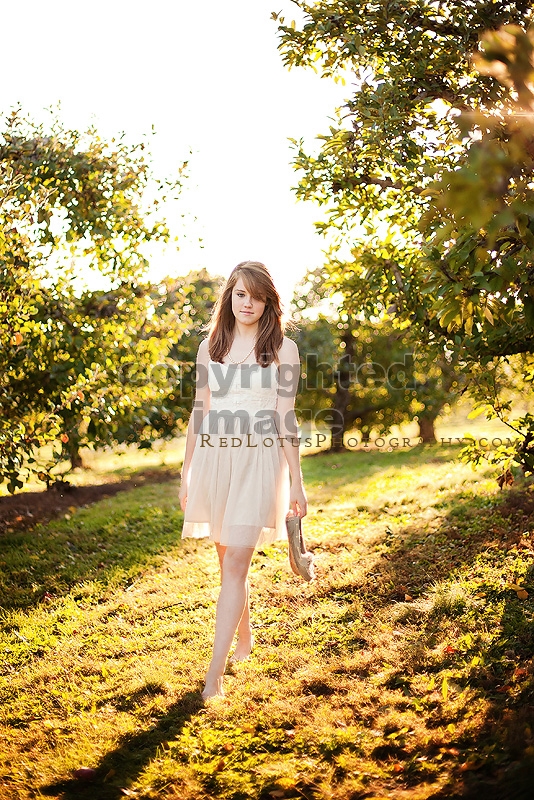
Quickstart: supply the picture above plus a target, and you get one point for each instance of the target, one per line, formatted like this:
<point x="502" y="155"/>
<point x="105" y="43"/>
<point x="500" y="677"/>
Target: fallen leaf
<point x="449" y="649"/>
<point x="470" y="765"/>
<point x="220" y="766"/>
<point x="519" y="673"/>
<point x="522" y="594"/>
<point x="408" y="598"/>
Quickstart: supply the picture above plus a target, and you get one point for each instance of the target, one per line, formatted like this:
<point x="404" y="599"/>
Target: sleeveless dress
<point x="238" y="492"/>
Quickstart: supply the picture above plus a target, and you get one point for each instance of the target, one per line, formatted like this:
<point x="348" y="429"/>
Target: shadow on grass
<point x="507" y="681"/>
<point x="121" y="767"/>
<point x="114" y="542"/>
<point x="497" y="762"/>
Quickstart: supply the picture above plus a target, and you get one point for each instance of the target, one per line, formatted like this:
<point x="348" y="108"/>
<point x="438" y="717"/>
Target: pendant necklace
<point x="243" y="359"/>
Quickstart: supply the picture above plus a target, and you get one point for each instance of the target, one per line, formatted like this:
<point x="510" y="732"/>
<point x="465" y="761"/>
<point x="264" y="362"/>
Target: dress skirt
<point x="238" y="494"/>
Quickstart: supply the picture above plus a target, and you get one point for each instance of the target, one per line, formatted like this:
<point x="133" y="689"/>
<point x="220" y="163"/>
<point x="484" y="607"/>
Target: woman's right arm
<point x="201" y="406"/>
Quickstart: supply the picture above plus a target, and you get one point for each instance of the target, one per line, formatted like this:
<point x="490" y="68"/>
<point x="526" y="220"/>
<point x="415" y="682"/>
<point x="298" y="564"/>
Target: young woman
<point x="241" y="443"/>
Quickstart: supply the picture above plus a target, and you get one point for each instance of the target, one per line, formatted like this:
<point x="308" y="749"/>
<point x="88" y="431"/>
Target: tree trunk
<point x="74" y="455"/>
<point x="342" y="396"/>
<point x="426" y="428"/>
<point x="336" y="444"/>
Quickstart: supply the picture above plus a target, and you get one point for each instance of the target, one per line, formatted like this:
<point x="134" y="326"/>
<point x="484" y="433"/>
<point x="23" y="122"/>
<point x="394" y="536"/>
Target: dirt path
<point x="23" y="510"/>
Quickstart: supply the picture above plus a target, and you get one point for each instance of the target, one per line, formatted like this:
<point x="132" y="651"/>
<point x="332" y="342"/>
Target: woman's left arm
<point x="289" y="373"/>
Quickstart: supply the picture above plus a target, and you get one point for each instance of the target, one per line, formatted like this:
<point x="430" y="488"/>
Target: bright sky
<point x="209" y="77"/>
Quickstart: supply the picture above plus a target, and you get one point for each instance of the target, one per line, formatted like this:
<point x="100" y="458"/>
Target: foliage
<point x="183" y="307"/>
<point x="406" y="668"/>
<point x="495" y="386"/>
<point x="426" y="176"/>
<point x="367" y="375"/>
<point x="71" y="200"/>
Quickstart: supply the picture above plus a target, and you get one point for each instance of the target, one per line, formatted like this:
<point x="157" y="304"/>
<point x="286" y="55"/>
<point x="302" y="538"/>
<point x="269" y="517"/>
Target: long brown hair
<point x="270" y="336"/>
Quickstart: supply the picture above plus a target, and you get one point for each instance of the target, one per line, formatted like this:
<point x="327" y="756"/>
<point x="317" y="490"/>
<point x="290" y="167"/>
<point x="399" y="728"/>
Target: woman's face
<point x="247" y="309"/>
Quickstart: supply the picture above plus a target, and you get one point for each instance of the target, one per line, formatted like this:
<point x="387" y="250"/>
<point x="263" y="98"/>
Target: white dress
<point x="238" y="492"/>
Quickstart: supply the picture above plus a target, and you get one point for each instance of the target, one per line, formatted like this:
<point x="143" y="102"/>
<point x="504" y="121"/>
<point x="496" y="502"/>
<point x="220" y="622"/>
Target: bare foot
<point x="243" y="649"/>
<point x="213" y="688"/>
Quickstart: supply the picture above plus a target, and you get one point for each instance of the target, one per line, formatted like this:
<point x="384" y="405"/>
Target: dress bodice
<point x="243" y="387"/>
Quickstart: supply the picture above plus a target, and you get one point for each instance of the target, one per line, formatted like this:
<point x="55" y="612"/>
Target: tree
<point x="71" y="197"/>
<point x="426" y="177"/>
<point x="366" y="375"/>
<point x="183" y="309"/>
<point x="152" y="365"/>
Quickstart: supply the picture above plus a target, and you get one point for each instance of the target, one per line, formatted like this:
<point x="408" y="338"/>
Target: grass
<point x="404" y="671"/>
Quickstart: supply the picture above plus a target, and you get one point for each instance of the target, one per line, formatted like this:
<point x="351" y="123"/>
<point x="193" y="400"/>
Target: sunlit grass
<point x="111" y="465"/>
<point x="403" y="670"/>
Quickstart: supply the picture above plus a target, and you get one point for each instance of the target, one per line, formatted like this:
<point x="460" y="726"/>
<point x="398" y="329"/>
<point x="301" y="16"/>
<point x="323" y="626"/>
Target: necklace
<point x="243" y="359"/>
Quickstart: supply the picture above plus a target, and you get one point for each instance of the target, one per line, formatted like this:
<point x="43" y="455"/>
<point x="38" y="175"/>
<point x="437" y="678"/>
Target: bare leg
<point x="245" y="640"/>
<point x="244" y="631"/>
<point x="230" y="608"/>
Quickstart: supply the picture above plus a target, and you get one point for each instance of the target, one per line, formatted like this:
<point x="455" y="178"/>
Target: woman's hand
<point x="297" y="500"/>
<point x="182" y="494"/>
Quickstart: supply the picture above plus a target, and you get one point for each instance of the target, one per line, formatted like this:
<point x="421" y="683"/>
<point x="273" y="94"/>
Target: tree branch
<point x="383" y="183"/>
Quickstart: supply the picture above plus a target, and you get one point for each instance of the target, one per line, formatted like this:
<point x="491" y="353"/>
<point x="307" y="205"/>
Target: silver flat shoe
<point x="300" y="559"/>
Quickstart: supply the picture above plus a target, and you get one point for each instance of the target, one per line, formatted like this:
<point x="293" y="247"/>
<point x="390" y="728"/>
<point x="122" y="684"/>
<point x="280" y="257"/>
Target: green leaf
<point x="477" y="411"/>
<point x="488" y="315"/>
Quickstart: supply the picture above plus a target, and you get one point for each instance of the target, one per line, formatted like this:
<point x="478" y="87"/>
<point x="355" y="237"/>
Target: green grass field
<point x="404" y="671"/>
